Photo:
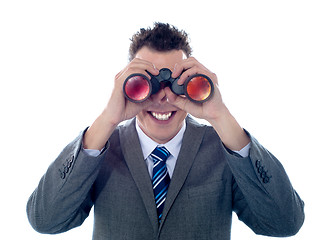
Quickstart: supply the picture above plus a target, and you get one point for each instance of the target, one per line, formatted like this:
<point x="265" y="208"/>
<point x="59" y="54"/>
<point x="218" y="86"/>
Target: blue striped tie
<point x="161" y="178"/>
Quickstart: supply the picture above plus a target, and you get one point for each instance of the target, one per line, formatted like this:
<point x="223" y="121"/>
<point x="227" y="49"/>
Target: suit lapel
<point x="133" y="156"/>
<point x="190" y="146"/>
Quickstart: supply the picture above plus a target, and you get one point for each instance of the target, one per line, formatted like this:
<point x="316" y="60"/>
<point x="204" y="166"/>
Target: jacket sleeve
<point x="62" y="200"/>
<point x="264" y="198"/>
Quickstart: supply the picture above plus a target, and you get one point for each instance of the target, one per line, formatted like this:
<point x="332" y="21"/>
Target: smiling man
<point x="162" y="175"/>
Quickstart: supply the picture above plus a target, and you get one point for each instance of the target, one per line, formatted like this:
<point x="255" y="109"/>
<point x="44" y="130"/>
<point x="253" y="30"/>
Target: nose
<point x="164" y="84"/>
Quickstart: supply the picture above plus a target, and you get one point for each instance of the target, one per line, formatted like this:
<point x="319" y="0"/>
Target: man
<point x="210" y="171"/>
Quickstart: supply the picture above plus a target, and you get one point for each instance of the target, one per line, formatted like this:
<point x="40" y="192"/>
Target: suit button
<point x="66" y="169"/>
<point x="71" y="159"/>
<point x="263" y="174"/>
<point x="260" y="169"/>
<point x="62" y="174"/>
<point x="69" y="164"/>
<point x="258" y="163"/>
<point x="266" y="179"/>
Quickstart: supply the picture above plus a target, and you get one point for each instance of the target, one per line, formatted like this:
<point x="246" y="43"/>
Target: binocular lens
<point x="137" y="88"/>
<point x="199" y="88"/>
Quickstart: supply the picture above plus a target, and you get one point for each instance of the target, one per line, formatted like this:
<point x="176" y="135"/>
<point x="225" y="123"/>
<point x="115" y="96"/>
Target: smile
<point x="161" y="116"/>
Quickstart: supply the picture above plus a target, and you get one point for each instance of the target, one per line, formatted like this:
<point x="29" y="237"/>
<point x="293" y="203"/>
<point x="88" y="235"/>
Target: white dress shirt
<point x="148" y="145"/>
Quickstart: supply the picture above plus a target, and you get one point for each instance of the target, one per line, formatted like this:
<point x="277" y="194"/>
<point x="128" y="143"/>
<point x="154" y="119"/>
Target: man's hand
<point x="118" y="108"/>
<point x="208" y="110"/>
<point x="214" y="110"/>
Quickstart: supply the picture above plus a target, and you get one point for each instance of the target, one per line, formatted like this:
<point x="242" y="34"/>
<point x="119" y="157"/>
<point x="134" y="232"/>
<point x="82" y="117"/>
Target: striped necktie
<point x="161" y="178"/>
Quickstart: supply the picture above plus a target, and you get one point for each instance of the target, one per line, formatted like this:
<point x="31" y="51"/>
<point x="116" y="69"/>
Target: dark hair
<point x="163" y="37"/>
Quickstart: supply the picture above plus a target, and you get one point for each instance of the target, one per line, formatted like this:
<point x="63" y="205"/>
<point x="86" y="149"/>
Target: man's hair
<point x="163" y="37"/>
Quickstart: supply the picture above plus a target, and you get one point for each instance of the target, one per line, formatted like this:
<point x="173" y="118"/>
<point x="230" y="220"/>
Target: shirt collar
<point x="148" y="145"/>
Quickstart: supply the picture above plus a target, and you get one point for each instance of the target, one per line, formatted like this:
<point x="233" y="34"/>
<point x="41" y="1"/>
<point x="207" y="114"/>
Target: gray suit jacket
<point x="209" y="182"/>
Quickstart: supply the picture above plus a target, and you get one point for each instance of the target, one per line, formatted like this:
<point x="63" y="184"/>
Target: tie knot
<point x="160" y="154"/>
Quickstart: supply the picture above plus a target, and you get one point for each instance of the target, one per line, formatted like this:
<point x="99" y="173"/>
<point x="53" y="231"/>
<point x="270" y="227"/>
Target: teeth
<point x="160" y="116"/>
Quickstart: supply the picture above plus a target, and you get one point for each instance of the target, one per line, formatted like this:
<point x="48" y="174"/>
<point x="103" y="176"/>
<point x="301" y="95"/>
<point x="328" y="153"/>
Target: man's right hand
<point x="118" y="108"/>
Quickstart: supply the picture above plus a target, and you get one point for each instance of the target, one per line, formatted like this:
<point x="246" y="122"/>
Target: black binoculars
<point x="197" y="88"/>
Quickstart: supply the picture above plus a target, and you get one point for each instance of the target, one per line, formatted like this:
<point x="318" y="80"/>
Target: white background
<point x="274" y="62"/>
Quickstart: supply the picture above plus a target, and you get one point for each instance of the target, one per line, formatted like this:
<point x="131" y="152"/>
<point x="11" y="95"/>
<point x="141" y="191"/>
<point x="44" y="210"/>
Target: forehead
<point x="161" y="59"/>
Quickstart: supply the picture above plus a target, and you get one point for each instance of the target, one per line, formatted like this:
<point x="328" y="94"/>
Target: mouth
<point x="162" y="116"/>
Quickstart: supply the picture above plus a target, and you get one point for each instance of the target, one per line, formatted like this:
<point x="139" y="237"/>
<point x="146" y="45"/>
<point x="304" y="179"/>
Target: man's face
<point x="161" y="121"/>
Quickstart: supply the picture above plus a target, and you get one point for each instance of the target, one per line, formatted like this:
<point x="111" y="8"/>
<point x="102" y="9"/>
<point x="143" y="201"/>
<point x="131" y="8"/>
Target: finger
<point x="178" y="101"/>
<point x="120" y="73"/>
<point x="138" y="65"/>
<point x="188" y="68"/>
<point x="182" y="66"/>
<point x="190" y="72"/>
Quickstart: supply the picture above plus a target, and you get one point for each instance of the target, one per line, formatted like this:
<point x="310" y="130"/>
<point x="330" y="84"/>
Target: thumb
<point x="178" y="101"/>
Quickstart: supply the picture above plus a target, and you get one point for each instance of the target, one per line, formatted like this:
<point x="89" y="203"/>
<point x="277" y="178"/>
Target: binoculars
<point x="197" y="88"/>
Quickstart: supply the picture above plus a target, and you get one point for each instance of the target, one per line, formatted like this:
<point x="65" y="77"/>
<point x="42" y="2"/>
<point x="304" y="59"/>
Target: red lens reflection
<point x="137" y="88"/>
<point x="199" y="88"/>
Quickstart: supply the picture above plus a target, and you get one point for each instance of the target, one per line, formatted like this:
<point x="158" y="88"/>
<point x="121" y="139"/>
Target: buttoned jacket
<point x="209" y="183"/>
